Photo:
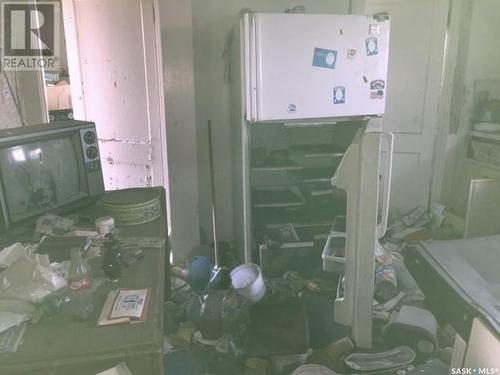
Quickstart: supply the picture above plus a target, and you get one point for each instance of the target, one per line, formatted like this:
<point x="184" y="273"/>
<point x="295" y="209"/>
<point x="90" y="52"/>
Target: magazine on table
<point x="124" y="306"/>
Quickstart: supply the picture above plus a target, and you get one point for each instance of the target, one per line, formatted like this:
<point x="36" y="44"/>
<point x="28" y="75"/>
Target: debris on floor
<point x="289" y="328"/>
<point x="393" y="359"/>
<point x="412" y="227"/>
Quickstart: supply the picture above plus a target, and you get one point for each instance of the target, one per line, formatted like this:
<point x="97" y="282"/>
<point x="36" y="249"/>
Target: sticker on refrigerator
<point x="324" y="58"/>
<point x="377" y="94"/>
<point x="371" y="46"/>
<point x="339" y="95"/>
<point x="378" y="84"/>
<point x="374" y="29"/>
<point x="377" y="89"/>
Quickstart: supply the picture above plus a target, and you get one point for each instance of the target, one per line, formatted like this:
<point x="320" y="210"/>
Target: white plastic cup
<point x="105" y="224"/>
<point x="247" y="281"/>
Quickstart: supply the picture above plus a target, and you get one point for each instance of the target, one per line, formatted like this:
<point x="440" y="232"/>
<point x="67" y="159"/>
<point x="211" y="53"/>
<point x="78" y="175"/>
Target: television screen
<point x="40" y="175"/>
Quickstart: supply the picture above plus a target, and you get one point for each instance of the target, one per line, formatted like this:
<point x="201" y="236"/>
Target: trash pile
<point x="26" y="280"/>
<point x="291" y="330"/>
<point x="52" y="275"/>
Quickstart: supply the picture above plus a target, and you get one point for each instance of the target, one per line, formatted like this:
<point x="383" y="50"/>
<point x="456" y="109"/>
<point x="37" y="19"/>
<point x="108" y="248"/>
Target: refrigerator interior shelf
<point x="275" y="198"/>
<point x="334" y="253"/>
<point x="314" y="231"/>
<point x="318" y="191"/>
<point x="482" y="164"/>
<point x="318" y="150"/>
<point x="315" y="175"/>
<point x="291" y="166"/>
<point x="299" y="215"/>
<point x="493" y="136"/>
<point x="292" y="245"/>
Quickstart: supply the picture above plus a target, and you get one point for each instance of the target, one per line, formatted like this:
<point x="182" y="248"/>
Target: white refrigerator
<point x="308" y="70"/>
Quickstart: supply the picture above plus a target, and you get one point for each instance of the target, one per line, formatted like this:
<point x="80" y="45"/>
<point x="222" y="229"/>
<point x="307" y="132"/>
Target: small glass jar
<point x="79" y="271"/>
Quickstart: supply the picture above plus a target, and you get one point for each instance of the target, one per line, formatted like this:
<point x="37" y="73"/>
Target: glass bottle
<point x="79" y="271"/>
<point x="111" y="263"/>
<point x="211" y="324"/>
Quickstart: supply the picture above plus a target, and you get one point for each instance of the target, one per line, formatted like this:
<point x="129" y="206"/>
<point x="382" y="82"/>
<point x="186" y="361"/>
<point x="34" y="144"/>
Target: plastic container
<point x="79" y="271"/>
<point x="485" y="151"/>
<point x="247" y="281"/>
<point x="334" y="251"/>
<point x="335" y="245"/>
<point x="105" y="224"/>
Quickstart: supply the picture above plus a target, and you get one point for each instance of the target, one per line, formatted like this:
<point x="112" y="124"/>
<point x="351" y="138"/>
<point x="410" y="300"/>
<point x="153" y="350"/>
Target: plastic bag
<point x="75" y="303"/>
<point x="30" y="278"/>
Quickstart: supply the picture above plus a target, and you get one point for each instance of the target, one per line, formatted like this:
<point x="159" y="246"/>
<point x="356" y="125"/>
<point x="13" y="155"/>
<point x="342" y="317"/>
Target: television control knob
<point x="89" y="137"/>
<point x="92" y="152"/>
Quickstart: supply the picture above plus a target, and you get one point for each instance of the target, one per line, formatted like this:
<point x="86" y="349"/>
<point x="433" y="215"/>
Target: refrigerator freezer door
<point x="304" y="66"/>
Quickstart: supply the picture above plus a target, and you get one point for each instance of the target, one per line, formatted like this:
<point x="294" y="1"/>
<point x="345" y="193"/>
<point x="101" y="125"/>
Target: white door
<point x="417" y="42"/>
<point x="116" y="76"/>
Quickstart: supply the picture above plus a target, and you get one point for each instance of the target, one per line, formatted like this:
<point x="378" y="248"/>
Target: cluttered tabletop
<point x="77" y="293"/>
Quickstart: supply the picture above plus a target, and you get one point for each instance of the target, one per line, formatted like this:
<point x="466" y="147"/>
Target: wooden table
<point x="62" y="345"/>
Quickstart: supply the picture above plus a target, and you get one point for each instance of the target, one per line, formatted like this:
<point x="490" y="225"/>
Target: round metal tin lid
<point x="130" y="197"/>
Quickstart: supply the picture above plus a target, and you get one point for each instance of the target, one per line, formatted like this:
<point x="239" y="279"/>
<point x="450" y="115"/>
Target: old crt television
<point x="52" y="167"/>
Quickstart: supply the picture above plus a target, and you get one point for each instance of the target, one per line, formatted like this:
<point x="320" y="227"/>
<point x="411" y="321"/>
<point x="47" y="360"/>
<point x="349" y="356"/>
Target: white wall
<point x="416" y="53"/>
<point x="144" y="111"/>
<point x="120" y="87"/>
<point x="477" y="58"/>
<point x="212" y="21"/>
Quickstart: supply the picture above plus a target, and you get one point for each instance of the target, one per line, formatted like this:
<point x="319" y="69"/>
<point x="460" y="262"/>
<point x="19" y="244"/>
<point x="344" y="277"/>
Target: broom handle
<point x="212" y="184"/>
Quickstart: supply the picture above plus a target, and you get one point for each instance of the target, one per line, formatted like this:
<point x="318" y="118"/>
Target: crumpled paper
<point x="54" y="225"/>
<point x="10" y="319"/>
<point x="29" y="278"/>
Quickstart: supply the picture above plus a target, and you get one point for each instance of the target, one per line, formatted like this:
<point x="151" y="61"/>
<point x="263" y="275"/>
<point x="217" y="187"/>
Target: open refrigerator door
<point x="359" y="174"/>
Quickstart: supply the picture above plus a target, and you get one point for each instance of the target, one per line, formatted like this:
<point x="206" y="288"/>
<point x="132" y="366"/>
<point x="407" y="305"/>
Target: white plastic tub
<point x="247" y="281"/>
<point x="331" y="261"/>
